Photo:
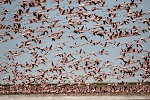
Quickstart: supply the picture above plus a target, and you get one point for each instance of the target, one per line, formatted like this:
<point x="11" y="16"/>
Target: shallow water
<point x="36" y="97"/>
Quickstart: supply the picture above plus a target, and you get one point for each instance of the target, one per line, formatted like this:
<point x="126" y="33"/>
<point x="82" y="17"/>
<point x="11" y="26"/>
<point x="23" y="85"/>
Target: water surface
<point x="37" y="97"/>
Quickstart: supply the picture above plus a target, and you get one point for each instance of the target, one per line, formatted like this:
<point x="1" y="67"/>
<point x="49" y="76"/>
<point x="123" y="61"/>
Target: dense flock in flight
<point x="73" y="41"/>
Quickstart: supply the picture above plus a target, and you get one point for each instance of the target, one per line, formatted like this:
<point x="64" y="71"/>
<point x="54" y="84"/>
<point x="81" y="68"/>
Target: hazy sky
<point x="114" y="52"/>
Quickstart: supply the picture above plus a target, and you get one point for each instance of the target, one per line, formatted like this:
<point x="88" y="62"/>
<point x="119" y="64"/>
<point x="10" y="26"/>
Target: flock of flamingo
<point x="86" y="89"/>
<point x="73" y="41"/>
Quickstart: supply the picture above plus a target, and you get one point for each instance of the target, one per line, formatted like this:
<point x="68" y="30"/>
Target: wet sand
<point x="39" y="97"/>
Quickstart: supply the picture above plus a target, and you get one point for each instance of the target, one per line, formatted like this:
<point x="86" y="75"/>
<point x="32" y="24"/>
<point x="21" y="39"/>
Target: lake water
<point x="36" y="97"/>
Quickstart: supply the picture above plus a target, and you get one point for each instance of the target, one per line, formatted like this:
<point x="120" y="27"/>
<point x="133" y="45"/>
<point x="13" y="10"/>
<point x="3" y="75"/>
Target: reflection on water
<point x="36" y="97"/>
